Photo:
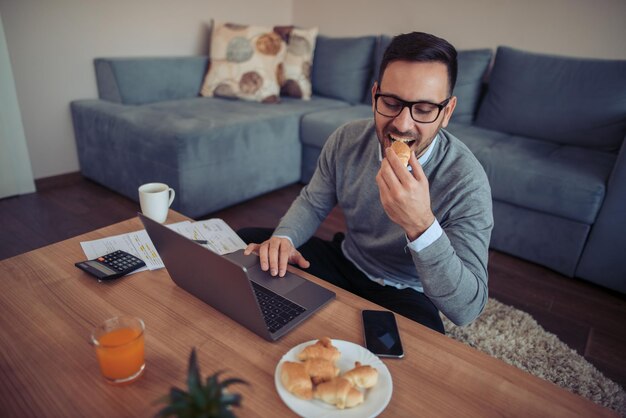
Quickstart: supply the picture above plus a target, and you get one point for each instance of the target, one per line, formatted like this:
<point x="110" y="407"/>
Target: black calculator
<point x="111" y="266"/>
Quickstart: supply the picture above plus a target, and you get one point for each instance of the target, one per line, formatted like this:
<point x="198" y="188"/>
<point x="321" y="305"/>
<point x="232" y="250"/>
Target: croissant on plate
<point x="323" y="348"/>
<point x="296" y="380"/>
<point x="338" y="392"/>
<point x="320" y="370"/>
<point x="363" y="377"/>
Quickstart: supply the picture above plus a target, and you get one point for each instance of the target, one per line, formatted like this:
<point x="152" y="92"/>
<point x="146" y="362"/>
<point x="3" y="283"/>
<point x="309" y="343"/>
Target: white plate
<point x="376" y="398"/>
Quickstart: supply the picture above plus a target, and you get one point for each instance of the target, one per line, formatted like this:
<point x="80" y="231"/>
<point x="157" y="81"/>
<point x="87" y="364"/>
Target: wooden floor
<point x="588" y="318"/>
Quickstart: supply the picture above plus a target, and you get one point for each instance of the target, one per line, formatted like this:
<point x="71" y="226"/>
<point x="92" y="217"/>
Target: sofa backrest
<point x="566" y="100"/>
<point x="342" y="67"/>
<point x="472" y="67"/>
<point x="382" y="43"/>
<point x="470" y="81"/>
<point x="146" y="80"/>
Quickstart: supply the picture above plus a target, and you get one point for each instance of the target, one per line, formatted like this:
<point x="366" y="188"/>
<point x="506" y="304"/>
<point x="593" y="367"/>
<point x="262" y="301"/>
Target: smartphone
<point x="381" y="334"/>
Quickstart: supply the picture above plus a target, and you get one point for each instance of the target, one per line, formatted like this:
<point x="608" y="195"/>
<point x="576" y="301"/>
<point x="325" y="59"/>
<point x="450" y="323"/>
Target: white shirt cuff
<point x="429" y="236"/>
<point x="285" y="236"/>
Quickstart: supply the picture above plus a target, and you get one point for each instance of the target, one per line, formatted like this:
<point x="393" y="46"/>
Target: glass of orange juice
<point x="119" y="344"/>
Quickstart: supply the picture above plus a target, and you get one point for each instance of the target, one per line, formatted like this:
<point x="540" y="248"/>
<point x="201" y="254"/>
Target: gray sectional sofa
<point x="548" y="130"/>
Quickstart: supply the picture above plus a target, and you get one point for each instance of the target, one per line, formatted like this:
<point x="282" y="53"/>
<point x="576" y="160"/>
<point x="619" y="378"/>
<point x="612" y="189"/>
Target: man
<point x="417" y="239"/>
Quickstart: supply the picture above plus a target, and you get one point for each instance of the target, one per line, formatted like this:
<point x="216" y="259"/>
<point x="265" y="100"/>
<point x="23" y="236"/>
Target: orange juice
<point x="120" y="349"/>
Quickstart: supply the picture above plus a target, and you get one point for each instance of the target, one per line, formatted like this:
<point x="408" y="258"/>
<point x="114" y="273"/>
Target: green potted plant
<point x="210" y="400"/>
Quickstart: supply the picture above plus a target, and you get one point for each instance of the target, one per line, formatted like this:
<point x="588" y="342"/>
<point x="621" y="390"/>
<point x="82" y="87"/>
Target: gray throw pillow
<point x="473" y="65"/>
<point x="342" y="67"/>
<point x="382" y="43"/>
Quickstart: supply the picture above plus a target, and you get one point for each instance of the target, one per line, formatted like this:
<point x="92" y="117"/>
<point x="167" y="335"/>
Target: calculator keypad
<point x="111" y="266"/>
<point x="121" y="261"/>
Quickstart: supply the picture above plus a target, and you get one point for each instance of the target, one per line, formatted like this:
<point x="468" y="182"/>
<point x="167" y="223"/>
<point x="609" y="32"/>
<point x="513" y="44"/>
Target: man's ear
<point x="447" y="111"/>
<point x="374" y="90"/>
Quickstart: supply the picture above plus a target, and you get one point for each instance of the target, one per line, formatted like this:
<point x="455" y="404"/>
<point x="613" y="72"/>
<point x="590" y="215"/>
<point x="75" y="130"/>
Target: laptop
<point x="235" y="285"/>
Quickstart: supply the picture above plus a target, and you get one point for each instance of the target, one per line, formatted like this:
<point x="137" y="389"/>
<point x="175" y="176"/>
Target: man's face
<point x="412" y="81"/>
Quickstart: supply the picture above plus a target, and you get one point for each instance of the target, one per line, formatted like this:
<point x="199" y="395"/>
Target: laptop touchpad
<point x="280" y="285"/>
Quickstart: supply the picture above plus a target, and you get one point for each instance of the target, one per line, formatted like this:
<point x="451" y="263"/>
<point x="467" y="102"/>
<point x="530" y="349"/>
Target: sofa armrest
<point x="101" y="126"/>
<point x="146" y="80"/>
<point x="603" y="260"/>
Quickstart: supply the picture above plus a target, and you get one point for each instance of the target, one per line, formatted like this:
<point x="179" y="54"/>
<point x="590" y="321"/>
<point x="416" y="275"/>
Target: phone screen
<point x="381" y="333"/>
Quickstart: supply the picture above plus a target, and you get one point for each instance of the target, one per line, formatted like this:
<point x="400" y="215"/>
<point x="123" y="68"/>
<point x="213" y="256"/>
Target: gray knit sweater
<point x="453" y="269"/>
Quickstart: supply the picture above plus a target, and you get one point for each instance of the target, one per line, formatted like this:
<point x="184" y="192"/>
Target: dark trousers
<point x="328" y="263"/>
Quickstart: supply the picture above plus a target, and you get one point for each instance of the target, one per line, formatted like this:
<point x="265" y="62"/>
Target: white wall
<point x="587" y="28"/>
<point x="16" y="176"/>
<point x="52" y="44"/>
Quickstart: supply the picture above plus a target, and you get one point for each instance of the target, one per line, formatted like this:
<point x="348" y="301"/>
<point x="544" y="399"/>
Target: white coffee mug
<point x="155" y="200"/>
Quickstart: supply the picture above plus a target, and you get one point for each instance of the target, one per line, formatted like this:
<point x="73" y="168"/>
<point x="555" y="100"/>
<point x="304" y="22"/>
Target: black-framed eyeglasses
<point x="423" y="112"/>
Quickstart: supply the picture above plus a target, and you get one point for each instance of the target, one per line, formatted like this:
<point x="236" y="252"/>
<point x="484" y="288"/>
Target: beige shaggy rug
<point x="515" y="337"/>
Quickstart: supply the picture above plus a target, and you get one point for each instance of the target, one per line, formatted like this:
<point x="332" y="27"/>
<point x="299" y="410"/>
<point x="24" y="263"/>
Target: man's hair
<point x="421" y="47"/>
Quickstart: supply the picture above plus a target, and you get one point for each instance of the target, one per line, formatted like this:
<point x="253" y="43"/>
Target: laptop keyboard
<point x="277" y="310"/>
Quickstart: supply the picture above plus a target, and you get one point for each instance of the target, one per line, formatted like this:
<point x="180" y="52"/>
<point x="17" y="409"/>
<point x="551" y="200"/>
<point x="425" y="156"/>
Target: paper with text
<point x="219" y="236"/>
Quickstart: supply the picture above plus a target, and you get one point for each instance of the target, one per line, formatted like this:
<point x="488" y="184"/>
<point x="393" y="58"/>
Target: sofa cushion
<point x="573" y="101"/>
<point x="213" y="152"/>
<point x="295" y="80"/>
<point x="245" y="61"/>
<point x="382" y="43"/>
<point x="195" y="126"/>
<point x="473" y="65"/>
<point x="316" y="127"/>
<point x="540" y="237"/>
<point x="558" y="179"/>
<point x="342" y="67"/>
<point x="181" y="132"/>
<point x="146" y="80"/>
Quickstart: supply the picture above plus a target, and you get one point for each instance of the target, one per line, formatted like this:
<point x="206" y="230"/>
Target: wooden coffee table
<point x="48" y="308"/>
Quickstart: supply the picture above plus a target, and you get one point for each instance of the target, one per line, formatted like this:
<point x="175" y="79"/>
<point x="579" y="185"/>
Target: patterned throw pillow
<point x="245" y="62"/>
<point x="296" y="74"/>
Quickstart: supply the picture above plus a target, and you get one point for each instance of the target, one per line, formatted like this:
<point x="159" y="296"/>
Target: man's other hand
<point x="275" y="254"/>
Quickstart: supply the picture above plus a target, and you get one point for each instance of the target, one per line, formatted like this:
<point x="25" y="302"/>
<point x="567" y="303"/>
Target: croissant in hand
<point x="338" y="392"/>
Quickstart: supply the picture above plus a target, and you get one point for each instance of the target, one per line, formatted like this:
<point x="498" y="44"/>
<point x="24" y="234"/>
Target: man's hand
<point x="275" y="253"/>
<point x="404" y="195"/>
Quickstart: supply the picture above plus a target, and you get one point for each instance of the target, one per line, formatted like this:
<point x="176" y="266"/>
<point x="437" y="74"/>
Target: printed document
<point x="220" y="239"/>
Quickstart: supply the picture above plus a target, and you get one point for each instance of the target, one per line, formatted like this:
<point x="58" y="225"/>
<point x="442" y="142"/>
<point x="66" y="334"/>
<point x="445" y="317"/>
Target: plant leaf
<point x="199" y="398"/>
<point x="165" y="412"/>
<point x="227" y="413"/>
<point x="232" y="381"/>
<point x="193" y="374"/>
<point x="212" y="388"/>
<point x="178" y="395"/>
<point x="231" y="399"/>
<point x="194" y="382"/>
<point x="210" y="400"/>
<point x="176" y="408"/>
<point x="164" y="398"/>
